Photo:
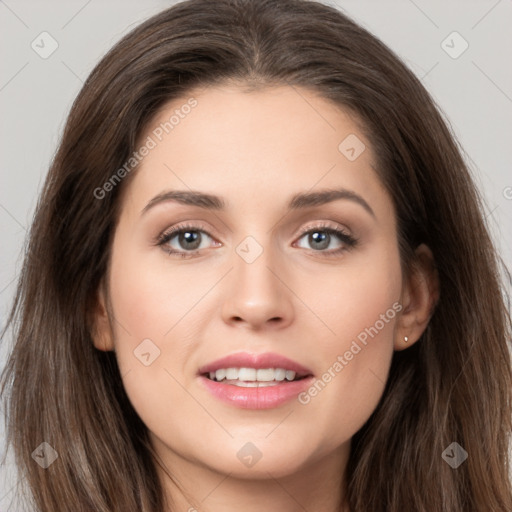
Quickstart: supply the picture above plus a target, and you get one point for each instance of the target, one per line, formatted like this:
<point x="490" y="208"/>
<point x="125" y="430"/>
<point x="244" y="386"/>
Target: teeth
<point x="290" y="375"/>
<point x="252" y="376"/>
<point x="263" y="375"/>
<point x="279" y="374"/>
<point x="248" y="374"/>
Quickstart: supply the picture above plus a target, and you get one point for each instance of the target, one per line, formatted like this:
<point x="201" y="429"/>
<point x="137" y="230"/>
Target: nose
<point x="258" y="294"/>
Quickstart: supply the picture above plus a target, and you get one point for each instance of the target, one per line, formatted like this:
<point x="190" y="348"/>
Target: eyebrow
<point x="298" y="201"/>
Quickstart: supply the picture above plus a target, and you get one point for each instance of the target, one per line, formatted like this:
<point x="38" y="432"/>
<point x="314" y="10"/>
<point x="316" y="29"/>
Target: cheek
<point x="150" y="300"/>
<point x="353" y="297"/>
<point x="154" y="310"/>
<point x="147" y="318"/>
<point x="360" y="307"/>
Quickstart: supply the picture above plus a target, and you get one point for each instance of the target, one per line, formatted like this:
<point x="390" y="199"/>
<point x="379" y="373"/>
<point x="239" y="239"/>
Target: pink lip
<point x="256" y="398"/>
<point x="246" y="360"/>
<point x="260" y="397"/>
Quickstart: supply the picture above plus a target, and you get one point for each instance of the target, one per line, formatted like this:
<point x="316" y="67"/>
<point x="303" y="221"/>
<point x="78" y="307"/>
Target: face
<point x="309" y="286"/>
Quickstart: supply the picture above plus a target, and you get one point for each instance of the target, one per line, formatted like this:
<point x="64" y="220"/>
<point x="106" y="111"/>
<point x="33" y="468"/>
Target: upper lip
<point x="258" y="361"/>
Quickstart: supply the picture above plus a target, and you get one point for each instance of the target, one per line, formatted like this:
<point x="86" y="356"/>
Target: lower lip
<point x="266" y="397"/>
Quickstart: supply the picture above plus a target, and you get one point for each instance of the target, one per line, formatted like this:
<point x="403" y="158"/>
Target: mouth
<point x="255" y="381"/>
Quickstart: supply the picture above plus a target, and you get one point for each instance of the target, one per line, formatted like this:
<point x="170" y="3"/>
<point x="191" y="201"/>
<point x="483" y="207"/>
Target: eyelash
<point x="348" y="240"/>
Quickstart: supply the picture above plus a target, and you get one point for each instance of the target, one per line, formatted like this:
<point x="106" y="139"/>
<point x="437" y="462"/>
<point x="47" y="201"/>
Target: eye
<point x="320" y="238"/>
<point x="184" y="241"/>
<point x="188" y="240"/>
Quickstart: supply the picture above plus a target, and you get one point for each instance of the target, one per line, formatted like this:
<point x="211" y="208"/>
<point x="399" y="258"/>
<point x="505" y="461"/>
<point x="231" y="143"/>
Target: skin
<point x="256" y="150"/>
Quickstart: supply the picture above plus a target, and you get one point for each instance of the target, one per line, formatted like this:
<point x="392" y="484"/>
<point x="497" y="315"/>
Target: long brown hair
<point x="453" y="385"/>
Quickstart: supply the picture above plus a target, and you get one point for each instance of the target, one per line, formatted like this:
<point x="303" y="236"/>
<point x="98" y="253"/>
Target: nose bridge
<point x="257" y="293"/>
<point x="255" y="258"/>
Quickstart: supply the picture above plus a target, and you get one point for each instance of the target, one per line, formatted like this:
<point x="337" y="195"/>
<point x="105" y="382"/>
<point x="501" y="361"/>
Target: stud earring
<point x="406" y="339"/>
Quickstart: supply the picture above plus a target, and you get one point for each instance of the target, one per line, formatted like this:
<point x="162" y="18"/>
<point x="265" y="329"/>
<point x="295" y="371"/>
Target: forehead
<point x="266" y="145"/>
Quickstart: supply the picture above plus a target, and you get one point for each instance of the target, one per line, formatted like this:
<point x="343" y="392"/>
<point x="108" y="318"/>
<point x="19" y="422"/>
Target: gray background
<point x="473" y="90"/>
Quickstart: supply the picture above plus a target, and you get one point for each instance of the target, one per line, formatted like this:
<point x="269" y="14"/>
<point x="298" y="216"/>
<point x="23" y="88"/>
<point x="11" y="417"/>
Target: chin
<point x="249" y="462"/>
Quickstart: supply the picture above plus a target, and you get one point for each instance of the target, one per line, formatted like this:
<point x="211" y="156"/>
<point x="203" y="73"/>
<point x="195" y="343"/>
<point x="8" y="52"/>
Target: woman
<point x="335" y="338"/>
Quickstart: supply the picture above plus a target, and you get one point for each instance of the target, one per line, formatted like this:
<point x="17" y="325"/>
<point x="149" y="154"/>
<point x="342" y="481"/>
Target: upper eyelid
<point x="323" y="225"/>
<point x="176" y="229"/>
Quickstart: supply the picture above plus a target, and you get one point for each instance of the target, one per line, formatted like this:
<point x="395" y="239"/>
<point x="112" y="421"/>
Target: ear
<point x="420" y="294"/>
<point x="102" y="335"/>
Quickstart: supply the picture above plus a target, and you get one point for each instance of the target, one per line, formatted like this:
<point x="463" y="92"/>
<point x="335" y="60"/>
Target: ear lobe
<point x="419" y="297"/>
<point x="101" y="330"/>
